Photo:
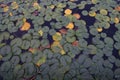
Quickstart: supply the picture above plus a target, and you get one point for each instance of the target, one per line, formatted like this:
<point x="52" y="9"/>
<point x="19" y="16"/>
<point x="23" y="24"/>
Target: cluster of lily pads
<point x="59" y="40"/>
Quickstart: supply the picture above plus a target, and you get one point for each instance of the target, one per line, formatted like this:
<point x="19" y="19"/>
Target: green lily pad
<point x="29" y="69"/>
<point x="5" y="35"/>
<point x="70" y="39"/>
<point x="44" y="42"/>
<point x="26" y="57"/>
<point x="35" y="43"/>
<point x="15" y="60"/>
<point x="5" y="66"/>
<point x="27" y="36"/>
<point x="16" y="50"/>
<point x="25" y="44"/>
<point x="16" y="42"/>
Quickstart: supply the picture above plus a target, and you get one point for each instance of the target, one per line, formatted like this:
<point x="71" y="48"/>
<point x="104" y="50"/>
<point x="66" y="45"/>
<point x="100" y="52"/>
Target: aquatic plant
<point x="59" y="40"/>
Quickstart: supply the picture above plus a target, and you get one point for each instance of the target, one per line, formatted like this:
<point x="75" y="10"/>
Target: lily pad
<point x="25" y="44"/>
<point x="34" y="43"/>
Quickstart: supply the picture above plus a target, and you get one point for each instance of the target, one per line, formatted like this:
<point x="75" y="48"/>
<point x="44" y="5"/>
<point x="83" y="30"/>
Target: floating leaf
<point x="16" y="42"/>
<point x="15" y="60"/>
<point x="27" y="37"/>
<point x="70" y="25"/>
<point x="117" y="8"/>
<point x="84" y="13"/>
<point x="116" y="20"/>
<point x="32" y="50"/>
<point x="63" y="31"/>
<point x="40" y="32"/>
<point x="41" y="61"/>
<point x="26" y="57"/>
<point x="112" y="59"/>
<point x="108" y="64"/>
<point x="16" y="50"/>
<point x="117" y="62"/>
<point x="72" y="5"/>
<point x="56" y="47"/>
<point x="68" y="12"/>
<point x="5" y="35"/>
<point x="44" y="42"/>
<point x="52" y="32"/>
<point x="62" y="52"/>
<point x="77" y="15"/>
<point x="61" y="5"/>
<point x="70" y="39"/>
<point x="103" y="12"/>
<point x="34" y="43"/>
<point x="25" y="27"/>
<point x="48" y="18"/>
<point x="25" y="44"/>
<point x="81" y="6"/>
<point x="117" y="73"/>
<point x="103" y="35"/>
<point x="92" y="14"/>
<point x="14" y="5"/>
<point x="5" y="50"/>
<point x="57" y="36"/>
<point x="29" y="69"/>
<point x="108" y="40"/>
<point x="5" y="66"/>
<point x="75" y="43"/>
<point x="99" y="29"/>
<point x="93" y="31"/>
<point x="6" y="8"/>
<point x="94" y="1"/>
<point x="70" y="33"/>
<point x="36" y="5"/>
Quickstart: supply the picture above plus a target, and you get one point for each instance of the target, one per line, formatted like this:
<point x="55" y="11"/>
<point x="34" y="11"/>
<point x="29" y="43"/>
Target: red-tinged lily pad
<point x="32" y="50"/>
<point x="63" y="31"/>
<point x="117" y="8"/>
<point x="48" y="46"/>
<point x="75" y="43"/>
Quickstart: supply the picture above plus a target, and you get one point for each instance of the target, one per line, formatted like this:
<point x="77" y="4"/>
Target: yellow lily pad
<point x="14" y="5"/>
<point x="92" y="13"/>
<point x="6" y="8"/>
<point x="36" y="5"/>
<point x="99" y="29"/>
<point x="70" y="25"/>
<point x="94" y="1"/>
<point x="116" y="20"/>
<point x="41" y="61"/>
<point x="103" y="12"/>
<point x="57" y="36"/>
<point x="10" y="14"/>
<point x="68" y="11"/>
<point x="62" y="52"/>
<point x="40" y="32"/>
<point x="32" y="50"/>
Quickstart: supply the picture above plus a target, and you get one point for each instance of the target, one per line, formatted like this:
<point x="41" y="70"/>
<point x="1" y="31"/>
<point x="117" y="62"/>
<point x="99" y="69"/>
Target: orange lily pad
<point x="117" y="8"/>
<point x="25" y="27"/>
<point x="70" y="25"/>
<point x="68" y="11"/>
<point x="76" y="15"/>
